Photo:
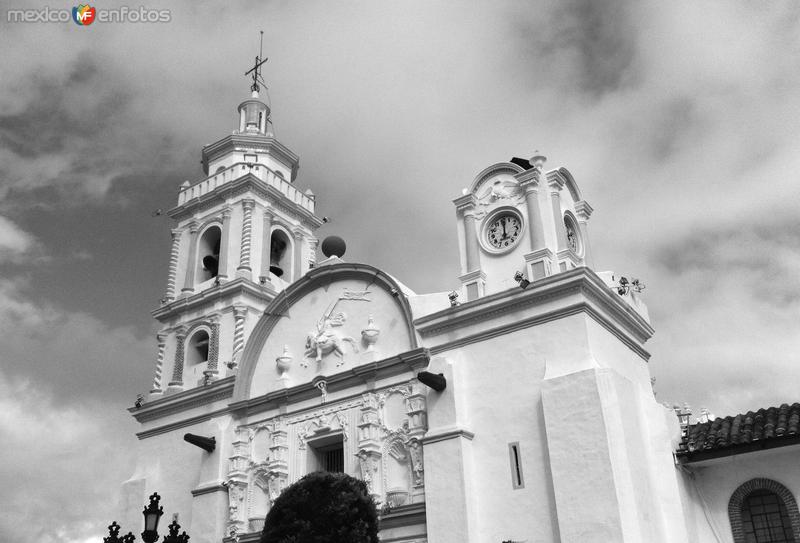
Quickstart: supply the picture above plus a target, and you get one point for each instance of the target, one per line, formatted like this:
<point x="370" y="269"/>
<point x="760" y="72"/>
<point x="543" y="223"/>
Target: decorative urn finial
<point x="370" y="334"/>
<point x="284" y="361"/>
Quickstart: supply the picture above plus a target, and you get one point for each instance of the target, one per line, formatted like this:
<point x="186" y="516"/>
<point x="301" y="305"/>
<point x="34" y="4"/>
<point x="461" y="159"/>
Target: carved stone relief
<point x="324" y="339"/>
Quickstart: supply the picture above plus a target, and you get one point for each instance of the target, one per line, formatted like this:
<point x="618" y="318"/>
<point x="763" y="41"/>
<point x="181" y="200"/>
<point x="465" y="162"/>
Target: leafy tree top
<point x="323" y="508"/>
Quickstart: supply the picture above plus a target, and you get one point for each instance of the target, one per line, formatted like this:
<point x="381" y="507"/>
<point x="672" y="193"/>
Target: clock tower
<point x="517" y="217"/>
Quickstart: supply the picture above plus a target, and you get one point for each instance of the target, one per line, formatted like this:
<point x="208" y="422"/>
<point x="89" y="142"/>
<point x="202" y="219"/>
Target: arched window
<point x="208" y="253"/>
<point x="764" y="511"/>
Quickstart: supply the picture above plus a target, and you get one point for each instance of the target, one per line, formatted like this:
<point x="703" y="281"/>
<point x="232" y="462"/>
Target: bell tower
<point x="244" y="232"/>
<point x="518" y="223"/>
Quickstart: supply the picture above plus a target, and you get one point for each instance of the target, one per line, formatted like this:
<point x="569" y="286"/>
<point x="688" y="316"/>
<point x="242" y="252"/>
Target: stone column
<point x="174" y="254"/>
<point x="535" y="224"/>
<point x="266" y="247"/>
<point x="239" y="315"/>
<point x="298" y="254"/>
<point x="471" y="233"/>
<point x="247" y="234"/>
<point x="583" y="210"/>
<point x="180" y="352"/>
<point x="191" y="264"/>
<point x="556" y="183"/>
<point x="369" y="445"/>
<point x="213" y="351"/>
<point x="162" y="346"/>
<point x="224" y="244"/>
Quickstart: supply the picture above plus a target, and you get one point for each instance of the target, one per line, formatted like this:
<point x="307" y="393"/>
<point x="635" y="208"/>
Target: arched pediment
<point x="572" y="186"/>
<point x="494" y="170"/>
<point x="335" y="318"/>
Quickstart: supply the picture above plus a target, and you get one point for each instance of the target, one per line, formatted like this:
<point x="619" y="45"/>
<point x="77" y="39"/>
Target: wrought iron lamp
<point x="152" y="514"/>
<point x="173" y="536"/>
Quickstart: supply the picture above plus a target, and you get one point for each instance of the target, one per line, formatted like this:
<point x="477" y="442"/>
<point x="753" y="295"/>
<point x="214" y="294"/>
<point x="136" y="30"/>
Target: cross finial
<point x="256" y="69"/>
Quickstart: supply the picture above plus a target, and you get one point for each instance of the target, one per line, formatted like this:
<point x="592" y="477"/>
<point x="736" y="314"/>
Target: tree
<point x="323" y="508"/>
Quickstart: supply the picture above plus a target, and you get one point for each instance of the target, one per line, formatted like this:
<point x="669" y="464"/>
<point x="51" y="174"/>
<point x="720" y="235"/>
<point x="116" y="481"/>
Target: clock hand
<point x="503" y="220"/>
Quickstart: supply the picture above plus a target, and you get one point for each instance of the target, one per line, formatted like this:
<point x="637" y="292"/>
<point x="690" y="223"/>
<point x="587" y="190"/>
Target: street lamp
<point x="152" y="513"/>
<point x="173" y="536"/>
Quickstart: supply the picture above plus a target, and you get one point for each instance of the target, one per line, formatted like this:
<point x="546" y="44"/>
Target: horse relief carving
<point x="325" y="339"/>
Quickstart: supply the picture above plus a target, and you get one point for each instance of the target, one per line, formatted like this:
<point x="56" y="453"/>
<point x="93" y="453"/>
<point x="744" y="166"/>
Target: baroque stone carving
<point x="368" y="462"/>
<point x="324" y="422"/>
<point x="324" y="339"/>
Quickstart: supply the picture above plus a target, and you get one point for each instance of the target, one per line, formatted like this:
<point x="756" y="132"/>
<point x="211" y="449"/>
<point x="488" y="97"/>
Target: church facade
<point x="518" y="408"/>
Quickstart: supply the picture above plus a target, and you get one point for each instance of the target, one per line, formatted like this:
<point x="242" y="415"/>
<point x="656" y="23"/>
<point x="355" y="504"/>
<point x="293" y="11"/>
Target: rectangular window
<point x="515" y="458"/>
<point x="327" y="454"/>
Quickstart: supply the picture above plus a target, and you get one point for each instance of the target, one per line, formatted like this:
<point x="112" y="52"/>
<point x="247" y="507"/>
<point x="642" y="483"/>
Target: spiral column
<point x="180" y="353"/>
<point x="247" y="237"/>
<point x="173" y="265"/>
<point x="162" y="346"/>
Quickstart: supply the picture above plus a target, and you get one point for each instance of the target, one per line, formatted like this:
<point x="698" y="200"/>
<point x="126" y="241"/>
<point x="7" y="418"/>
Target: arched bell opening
<point x="208" y="251"/>
<point x="197" y="351"/>
<point x="279" y="253"/>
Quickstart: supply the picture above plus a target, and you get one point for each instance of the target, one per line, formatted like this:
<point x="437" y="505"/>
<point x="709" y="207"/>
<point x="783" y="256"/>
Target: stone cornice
<point x="583" y="210"/>
<point x="237" y="287"/>
<point x="270" y="144"/>
<point x="209" y="488"/>
<point x="410" y="361"/>
<point x="446" y="434"/>
<point x="555" y="180"/>
<point x="593" y="298"/>
<point x="465" y="202"/>
<point x="182" y="401"/>
<point x="242" y="185"/>
<point x="405" y="515"/>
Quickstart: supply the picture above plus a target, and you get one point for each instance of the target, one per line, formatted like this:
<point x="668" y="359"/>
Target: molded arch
<point x="315" y="278"/>
<point x="572" y="186"/>
<point x="740" y="494"/>
<point x="494" y="169"/>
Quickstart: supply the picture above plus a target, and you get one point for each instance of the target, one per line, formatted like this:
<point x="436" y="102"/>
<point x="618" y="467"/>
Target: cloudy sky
<point x="678" y="119"/>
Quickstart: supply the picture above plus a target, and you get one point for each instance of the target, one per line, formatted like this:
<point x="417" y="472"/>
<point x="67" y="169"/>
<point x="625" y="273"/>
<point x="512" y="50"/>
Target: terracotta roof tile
<point x="765" y="428"/>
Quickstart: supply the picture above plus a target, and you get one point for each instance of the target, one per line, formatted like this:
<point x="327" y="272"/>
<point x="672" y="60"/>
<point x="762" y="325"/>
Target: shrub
<point x="323" y="508"/>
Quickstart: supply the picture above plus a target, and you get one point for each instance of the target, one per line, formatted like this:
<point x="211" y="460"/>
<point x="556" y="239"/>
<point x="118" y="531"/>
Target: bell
<point x="276" y="271"/>
<point x="211" y="264"/>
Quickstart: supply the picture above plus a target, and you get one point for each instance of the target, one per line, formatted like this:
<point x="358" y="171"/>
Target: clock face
<point x="503" y="231"/>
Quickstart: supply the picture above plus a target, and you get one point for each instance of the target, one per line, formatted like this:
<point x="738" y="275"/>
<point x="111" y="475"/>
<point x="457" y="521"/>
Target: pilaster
<point x="191" y="264"/>
<point x="266" y="247"/>
<point x="174" y="254"/>
<point x="298" y="236"/>
<point x="176" y="384"/>
<point x="583" y="211"/>
<point x="224" y="244"/>
<point x="161" y="337"/>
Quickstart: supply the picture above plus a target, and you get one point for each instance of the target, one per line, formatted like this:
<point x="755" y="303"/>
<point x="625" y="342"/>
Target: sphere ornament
<point x="333" y="246"/>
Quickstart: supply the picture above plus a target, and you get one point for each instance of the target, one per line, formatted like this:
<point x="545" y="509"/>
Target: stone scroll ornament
<point x="324" y="339"/>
